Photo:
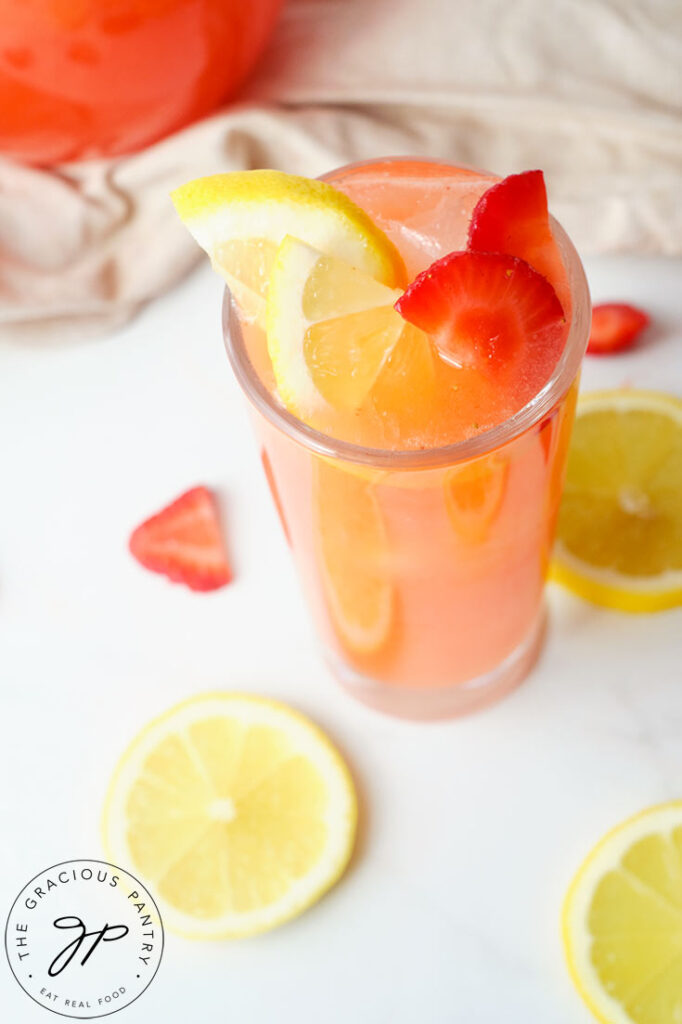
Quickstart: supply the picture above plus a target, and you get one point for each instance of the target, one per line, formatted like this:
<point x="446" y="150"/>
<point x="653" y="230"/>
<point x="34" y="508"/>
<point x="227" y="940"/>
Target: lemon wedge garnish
<point x="237" y="811"/>
<point x="331" y="328"/>
<point x="241" y="218"/>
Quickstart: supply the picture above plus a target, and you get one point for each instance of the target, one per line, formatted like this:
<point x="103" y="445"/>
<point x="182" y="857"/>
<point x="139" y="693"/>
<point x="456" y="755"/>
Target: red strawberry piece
<point x="489" y="311"/>
<point x="615" y="326"/>
<point x="512" y="218"/>
<point x="184" y="542"/>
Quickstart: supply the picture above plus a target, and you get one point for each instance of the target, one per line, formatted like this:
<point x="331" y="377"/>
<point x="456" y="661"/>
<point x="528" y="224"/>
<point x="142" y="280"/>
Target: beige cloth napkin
<point x="590" y="90"/>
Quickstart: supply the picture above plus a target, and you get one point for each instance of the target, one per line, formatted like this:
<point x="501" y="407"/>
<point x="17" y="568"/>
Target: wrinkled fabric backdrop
<point x="589" y="90"/>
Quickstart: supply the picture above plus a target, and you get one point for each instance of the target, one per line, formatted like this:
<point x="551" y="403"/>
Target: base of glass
<point x="430" y="702"/>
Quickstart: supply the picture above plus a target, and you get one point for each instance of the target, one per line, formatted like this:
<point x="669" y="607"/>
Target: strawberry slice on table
<point x="183" y="541"/>
<point x="615" y="327"/>
<point x="491" y="312"/>
<point x="512" y="218"/>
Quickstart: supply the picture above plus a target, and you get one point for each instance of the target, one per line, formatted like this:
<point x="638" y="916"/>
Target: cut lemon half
<point x="331" y="329"/>
<point x="236" y="810"/>
<point x="622" y="921"/>
<point x="241" y="218"/>
<point x="354" y="558"/>
<point x="619" y="538"/>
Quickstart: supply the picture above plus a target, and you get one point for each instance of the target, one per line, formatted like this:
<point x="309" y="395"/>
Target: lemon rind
<point x="609" y="589"/>
<point x="627" y="399"/>
<point x="294" y="384"/>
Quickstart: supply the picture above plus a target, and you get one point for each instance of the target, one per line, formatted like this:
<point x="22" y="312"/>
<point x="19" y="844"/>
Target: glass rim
<point x="481" y="444"/>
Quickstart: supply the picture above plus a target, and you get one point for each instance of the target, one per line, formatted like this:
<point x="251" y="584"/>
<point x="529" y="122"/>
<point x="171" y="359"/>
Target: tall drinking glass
<point x="424" y="570"/>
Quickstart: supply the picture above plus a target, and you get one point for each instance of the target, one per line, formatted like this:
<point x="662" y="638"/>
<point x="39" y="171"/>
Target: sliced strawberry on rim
<point x="491" y="312"/>
<point x="512" y="218"/>
<point x="183" y="541"/>
<point x="615" y="327"/>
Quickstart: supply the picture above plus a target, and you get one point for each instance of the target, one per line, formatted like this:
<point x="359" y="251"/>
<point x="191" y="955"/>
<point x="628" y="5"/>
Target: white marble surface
<point x="471" y="829"/>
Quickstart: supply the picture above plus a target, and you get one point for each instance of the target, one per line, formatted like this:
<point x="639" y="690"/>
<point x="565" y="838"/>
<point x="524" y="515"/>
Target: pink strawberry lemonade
<point x="422" y="532"/>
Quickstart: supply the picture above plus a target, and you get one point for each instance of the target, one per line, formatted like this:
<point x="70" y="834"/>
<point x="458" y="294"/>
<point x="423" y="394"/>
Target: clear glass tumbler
<point x="424" y="570"/>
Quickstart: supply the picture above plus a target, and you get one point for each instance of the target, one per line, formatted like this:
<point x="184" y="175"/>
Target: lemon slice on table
<point x="354" y="558"/>
<point x="241" y="218"/>
<point x="622" y="921"/>
<point x="237" y="810"/>
<point x="619" y="538"/>
<point x="331" y="329"/>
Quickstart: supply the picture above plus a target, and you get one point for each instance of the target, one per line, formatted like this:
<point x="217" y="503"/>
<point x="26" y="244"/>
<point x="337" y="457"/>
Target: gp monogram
<point x="84" y="938"/>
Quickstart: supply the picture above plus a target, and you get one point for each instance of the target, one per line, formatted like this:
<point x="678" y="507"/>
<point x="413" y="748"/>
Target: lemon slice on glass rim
<point x="236" y="810"/>
<point x="619" y="537"/>
<point x="240" y="219"/>
<point x="331" y="330"/>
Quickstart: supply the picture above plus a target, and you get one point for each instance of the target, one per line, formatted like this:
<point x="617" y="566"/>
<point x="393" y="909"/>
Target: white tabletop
<point x="470" y="830"/>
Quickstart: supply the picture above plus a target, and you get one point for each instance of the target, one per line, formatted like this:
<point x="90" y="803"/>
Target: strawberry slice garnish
<point x="184" y="542"/>
<point x="512" y="218"/>
<point x="491" y="312"/>
<point x="615" y="327"/>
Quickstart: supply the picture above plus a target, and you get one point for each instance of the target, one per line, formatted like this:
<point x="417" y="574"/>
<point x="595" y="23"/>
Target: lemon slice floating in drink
<point x="237" y="811"/>
<point x="241" y="218"/>
<point x="622" y="921"/>
<point x="474" y="494"/>
<point x="620" y="528"/>
<point x="354" y="558"/>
